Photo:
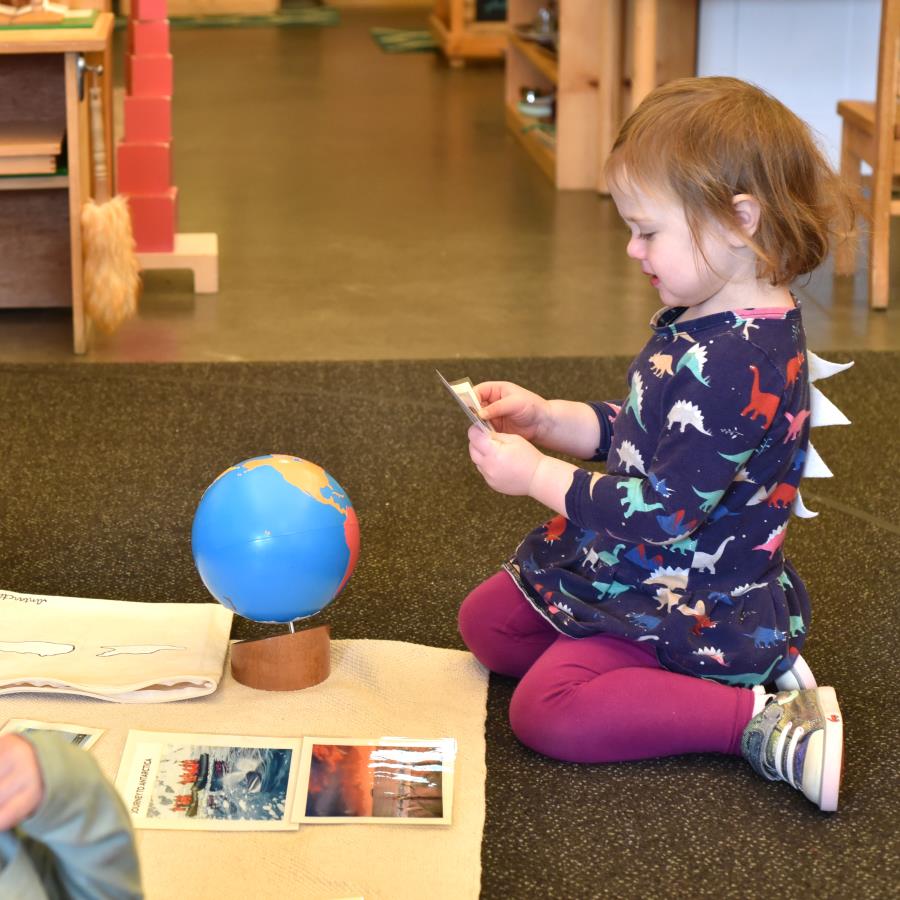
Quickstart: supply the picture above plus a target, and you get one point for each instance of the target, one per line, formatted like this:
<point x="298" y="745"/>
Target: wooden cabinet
<point x="40" y="215"/>
<point x="609" y="54"/>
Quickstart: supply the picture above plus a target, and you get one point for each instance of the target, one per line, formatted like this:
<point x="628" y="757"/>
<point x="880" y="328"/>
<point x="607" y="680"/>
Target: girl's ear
<point x="746" y="215"/>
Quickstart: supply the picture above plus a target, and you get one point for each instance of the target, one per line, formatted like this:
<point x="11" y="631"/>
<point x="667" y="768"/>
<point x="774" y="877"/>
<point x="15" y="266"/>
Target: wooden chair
<point x="871" y="134"/>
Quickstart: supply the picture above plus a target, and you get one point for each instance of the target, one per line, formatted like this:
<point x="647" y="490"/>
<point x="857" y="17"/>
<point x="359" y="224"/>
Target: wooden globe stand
<point x="283" y="662"/>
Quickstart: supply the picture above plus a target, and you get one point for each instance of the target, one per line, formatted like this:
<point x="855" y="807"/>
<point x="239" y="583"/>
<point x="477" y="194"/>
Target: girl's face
<point x="662" y="243"/>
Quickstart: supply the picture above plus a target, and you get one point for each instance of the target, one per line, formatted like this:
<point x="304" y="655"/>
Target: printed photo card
<point x="80" y="735"/>
<point x="209" y="782"/>
<point x="238" y="783"/>
<point x="463" y="392"/>
<point x="347" y="780"/>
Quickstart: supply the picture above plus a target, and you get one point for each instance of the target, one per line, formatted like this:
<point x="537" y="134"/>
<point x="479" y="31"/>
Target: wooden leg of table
<point x="880" y="244"/>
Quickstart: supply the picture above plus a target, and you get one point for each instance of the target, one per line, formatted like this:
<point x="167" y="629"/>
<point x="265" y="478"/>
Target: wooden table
<point x="40" y="217"/>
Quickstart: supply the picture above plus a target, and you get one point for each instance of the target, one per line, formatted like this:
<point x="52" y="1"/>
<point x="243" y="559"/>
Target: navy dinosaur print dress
<point x="680" y="542"/>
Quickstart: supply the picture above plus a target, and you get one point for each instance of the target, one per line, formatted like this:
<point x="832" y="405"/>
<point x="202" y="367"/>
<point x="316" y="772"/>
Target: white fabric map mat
<point x="376" y="688"/>
<point x="111" y="649"/>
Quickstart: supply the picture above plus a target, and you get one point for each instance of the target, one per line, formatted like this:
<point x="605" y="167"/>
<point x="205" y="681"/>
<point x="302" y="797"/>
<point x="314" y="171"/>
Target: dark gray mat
<point x="103" y="466"/>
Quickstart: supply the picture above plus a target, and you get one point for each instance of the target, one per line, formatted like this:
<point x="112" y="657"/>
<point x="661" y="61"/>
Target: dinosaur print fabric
<point x="680" y="542"/>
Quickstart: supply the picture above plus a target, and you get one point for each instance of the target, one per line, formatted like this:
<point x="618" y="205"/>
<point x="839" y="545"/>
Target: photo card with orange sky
<point x="386" y="780"/>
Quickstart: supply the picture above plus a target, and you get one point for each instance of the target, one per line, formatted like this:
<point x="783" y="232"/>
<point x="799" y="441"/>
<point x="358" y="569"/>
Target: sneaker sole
<point x="833" y="749"/>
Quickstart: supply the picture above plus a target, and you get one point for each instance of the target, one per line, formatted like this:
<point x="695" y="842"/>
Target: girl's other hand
<point x="507" y="462"/>
<point x="512" y="409"/>
<point x="21" y="785"/>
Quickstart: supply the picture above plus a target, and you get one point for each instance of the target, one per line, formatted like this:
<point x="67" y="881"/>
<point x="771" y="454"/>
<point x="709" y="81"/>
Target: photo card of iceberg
<point x="209" y="782"/>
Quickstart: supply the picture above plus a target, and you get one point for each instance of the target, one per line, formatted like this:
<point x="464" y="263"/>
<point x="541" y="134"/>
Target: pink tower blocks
<point x="144" y="156"/>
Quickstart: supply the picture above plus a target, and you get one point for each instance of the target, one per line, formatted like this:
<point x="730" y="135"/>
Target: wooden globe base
<point x="284" y="662"/>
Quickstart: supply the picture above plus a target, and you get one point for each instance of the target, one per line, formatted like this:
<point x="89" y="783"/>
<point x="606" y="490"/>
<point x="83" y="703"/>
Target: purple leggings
<point x="595" y="699"/>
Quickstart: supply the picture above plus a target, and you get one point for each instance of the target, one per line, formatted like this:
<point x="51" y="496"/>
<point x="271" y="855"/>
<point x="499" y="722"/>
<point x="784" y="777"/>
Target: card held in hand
<point x="463" y="392"/>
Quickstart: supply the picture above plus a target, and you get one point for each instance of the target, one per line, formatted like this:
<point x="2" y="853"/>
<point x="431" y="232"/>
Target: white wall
<point x="808" y="53"/>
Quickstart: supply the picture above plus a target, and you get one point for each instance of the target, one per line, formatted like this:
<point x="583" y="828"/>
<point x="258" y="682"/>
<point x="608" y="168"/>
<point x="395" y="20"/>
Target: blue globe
<point x="275" y="538"/>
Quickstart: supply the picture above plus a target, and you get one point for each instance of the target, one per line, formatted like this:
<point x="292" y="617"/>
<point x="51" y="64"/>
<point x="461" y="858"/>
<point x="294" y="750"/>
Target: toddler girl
<point x="644" y="619"/>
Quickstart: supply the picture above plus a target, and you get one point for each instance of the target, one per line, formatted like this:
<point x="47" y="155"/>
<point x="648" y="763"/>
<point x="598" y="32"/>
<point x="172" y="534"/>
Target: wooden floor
<point x="373" y="206"/>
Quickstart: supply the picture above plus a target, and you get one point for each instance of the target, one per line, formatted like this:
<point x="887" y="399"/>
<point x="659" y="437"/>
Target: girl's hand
<point x="507" y="462"/>
<point x="512" y="409"/>
<point x="21" y="785"/>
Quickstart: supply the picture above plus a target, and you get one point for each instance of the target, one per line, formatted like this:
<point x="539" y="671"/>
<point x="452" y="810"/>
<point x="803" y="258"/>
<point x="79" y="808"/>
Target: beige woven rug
<point x="376" y="688"/>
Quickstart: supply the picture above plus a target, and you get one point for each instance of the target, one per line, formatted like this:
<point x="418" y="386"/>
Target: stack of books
<point x="29" y="148"/>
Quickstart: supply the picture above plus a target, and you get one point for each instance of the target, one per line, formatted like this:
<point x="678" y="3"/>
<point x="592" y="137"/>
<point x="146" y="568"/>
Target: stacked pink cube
<point x="144" y="156"/>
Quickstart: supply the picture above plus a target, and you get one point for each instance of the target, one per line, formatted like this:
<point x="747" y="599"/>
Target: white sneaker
<point x="799" y="738"/>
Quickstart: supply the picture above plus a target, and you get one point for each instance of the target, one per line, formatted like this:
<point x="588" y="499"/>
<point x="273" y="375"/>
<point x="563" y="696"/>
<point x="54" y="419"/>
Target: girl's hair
<point x="707" y="139"/>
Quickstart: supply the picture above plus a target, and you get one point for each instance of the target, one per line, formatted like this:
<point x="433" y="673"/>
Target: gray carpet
<point x="103" y="466"/>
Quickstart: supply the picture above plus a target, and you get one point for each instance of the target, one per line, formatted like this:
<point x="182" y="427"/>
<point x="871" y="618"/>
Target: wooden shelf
<point x="544" y="155"/>
<point x="461" y="38"/>
<point x="541" y="58"/>
<point x="40" y="214"/>
<point x="610" y="54"/>
<point x="33" y="182"/>
<point x="572" y="73"/>
<point x="49" y="40"/>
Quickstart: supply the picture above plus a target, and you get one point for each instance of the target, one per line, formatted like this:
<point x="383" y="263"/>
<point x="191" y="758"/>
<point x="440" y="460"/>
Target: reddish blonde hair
<point x="707" y="139"/>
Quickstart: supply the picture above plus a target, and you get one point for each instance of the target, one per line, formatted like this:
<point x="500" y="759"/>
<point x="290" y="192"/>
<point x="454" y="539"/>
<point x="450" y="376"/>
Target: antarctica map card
<point x="209" y="782"/>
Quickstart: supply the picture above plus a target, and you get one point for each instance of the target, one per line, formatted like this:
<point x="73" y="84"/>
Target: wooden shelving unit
<point x="461" y="37"/>
<point x="542" y="59"/>
<point x="573" y="73"/>
<point x="40" y="215"/>
<point x="542" y="149"/>
<point x="610" y="54"/>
